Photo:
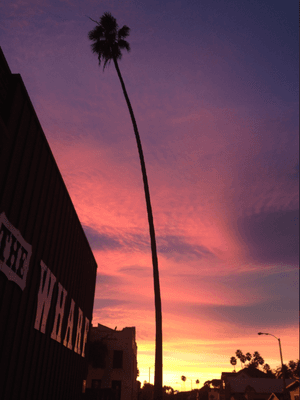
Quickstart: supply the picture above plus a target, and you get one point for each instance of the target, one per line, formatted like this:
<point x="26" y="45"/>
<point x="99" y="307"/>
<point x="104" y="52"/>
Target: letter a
<point x="78" y="332"/>
<point x="68" y="343"/>
<point x="44" y="298"/>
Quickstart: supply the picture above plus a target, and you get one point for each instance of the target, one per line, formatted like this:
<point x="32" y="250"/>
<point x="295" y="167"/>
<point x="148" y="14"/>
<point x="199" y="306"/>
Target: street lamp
<point x="282" y="368"/>
<point x="149" y="372"/>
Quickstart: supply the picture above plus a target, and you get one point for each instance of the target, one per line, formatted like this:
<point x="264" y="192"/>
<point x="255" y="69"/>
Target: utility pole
<point x="286" y="394"/>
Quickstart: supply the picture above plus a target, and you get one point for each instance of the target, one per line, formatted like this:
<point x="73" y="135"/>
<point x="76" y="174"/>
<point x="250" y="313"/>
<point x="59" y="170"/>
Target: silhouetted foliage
<point x="290" y="371"/>
<point x="233" y="361"/>
<point x="254" y="361"/>
<point x="295" y="368"/>
<point x="168" y="391"/>
<point x="108" y="41"/>
<point x="216" y="383"/>
<point x="268" y="371"/>
<point x="146" y="392"/>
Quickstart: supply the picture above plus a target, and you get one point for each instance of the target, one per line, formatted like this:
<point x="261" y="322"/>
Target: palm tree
<point x="241" y="356"/>
<point x="233" y="362"/>
<point x="108" y="41"/>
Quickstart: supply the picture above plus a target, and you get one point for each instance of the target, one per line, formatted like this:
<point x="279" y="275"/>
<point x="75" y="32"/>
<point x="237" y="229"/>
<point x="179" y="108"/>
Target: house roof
<point x="276" y="396"/>
<point x="252" y="372"/>
<point x="293" y="385"/>
<point x="225" y="374"/>
<point x="240" y="383"/>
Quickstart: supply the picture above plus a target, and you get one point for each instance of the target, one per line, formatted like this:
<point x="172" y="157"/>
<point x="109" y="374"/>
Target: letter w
<point x="44" y="297"/>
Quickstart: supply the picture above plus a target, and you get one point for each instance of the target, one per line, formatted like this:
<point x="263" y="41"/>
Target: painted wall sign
<point x="47" y="285"/>
<point x="15" y="253"/>
<point x="47" y="282"/>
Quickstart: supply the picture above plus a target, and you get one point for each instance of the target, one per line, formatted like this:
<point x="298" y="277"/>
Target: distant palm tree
<point x="269" y="372"/>
<point x="286" y="371"/>
<point x="257" y="359"/>
<point x="241" y="356"/>
<point x="108" y="41"/>
<point x="233" y="362"/>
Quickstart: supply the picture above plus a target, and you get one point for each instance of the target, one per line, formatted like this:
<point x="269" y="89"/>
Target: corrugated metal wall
<point x="36" y="202"/>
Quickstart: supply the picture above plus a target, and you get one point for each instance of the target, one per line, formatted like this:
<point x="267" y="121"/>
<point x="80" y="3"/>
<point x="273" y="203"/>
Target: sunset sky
<point x="214" y="87"/>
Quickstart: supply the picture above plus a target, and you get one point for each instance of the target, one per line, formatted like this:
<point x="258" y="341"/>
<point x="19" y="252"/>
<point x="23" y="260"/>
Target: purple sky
<point x="214" y="87"/>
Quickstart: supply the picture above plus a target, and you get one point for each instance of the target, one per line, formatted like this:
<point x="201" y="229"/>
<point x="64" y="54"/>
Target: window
<point x="118" y="359"/>
<point x="116" y="387"/>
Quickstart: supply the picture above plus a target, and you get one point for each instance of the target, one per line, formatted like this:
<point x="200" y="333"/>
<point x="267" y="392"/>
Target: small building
<point x="249" y="385"/>
<point x="293" y="389"/>
<point x="113" y="362"/>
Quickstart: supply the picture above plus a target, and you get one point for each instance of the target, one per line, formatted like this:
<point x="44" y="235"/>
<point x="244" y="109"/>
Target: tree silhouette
<point x="257" y="359"/>
<point x="290" y="371"/>
<point x="254" y="361"/>
<point x="295" y="368"/>
<point x="233" y="362"/>
<point x="216" y="383"/>
<point x="108" y="41"/>
<point x="241" y="356"/>
<point x="168" y="391"/>
<point x="267" y="369"/>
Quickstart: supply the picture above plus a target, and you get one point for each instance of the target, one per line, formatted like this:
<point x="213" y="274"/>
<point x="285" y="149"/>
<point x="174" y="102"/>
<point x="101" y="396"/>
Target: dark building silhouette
<point x="47" y="269"/>
<point x="113" y="365"/>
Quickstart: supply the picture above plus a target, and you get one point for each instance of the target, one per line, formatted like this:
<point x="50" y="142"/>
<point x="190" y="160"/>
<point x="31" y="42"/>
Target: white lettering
<point x="44" y="297"/>
<point x="15" y="253"/>
<point x="68" y="342"/>
<point x="86" y="330"/>
<point x="78" y="332"/>
<point x="59" y="313"/>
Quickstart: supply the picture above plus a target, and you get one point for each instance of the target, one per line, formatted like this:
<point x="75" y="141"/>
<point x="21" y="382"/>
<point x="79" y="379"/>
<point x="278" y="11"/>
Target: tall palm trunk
<point x="158" y="316"/>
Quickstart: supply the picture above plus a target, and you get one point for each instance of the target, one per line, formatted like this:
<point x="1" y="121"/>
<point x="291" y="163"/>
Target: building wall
<point x="213" y="394"/>
<point x="124" y="341"/>
<point x="47" y="269"/>
<point x="295" y="394"/>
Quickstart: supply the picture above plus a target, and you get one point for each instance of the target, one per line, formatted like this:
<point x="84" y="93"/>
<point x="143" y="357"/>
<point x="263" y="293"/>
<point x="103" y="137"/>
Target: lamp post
<point x="282" y="367"/>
